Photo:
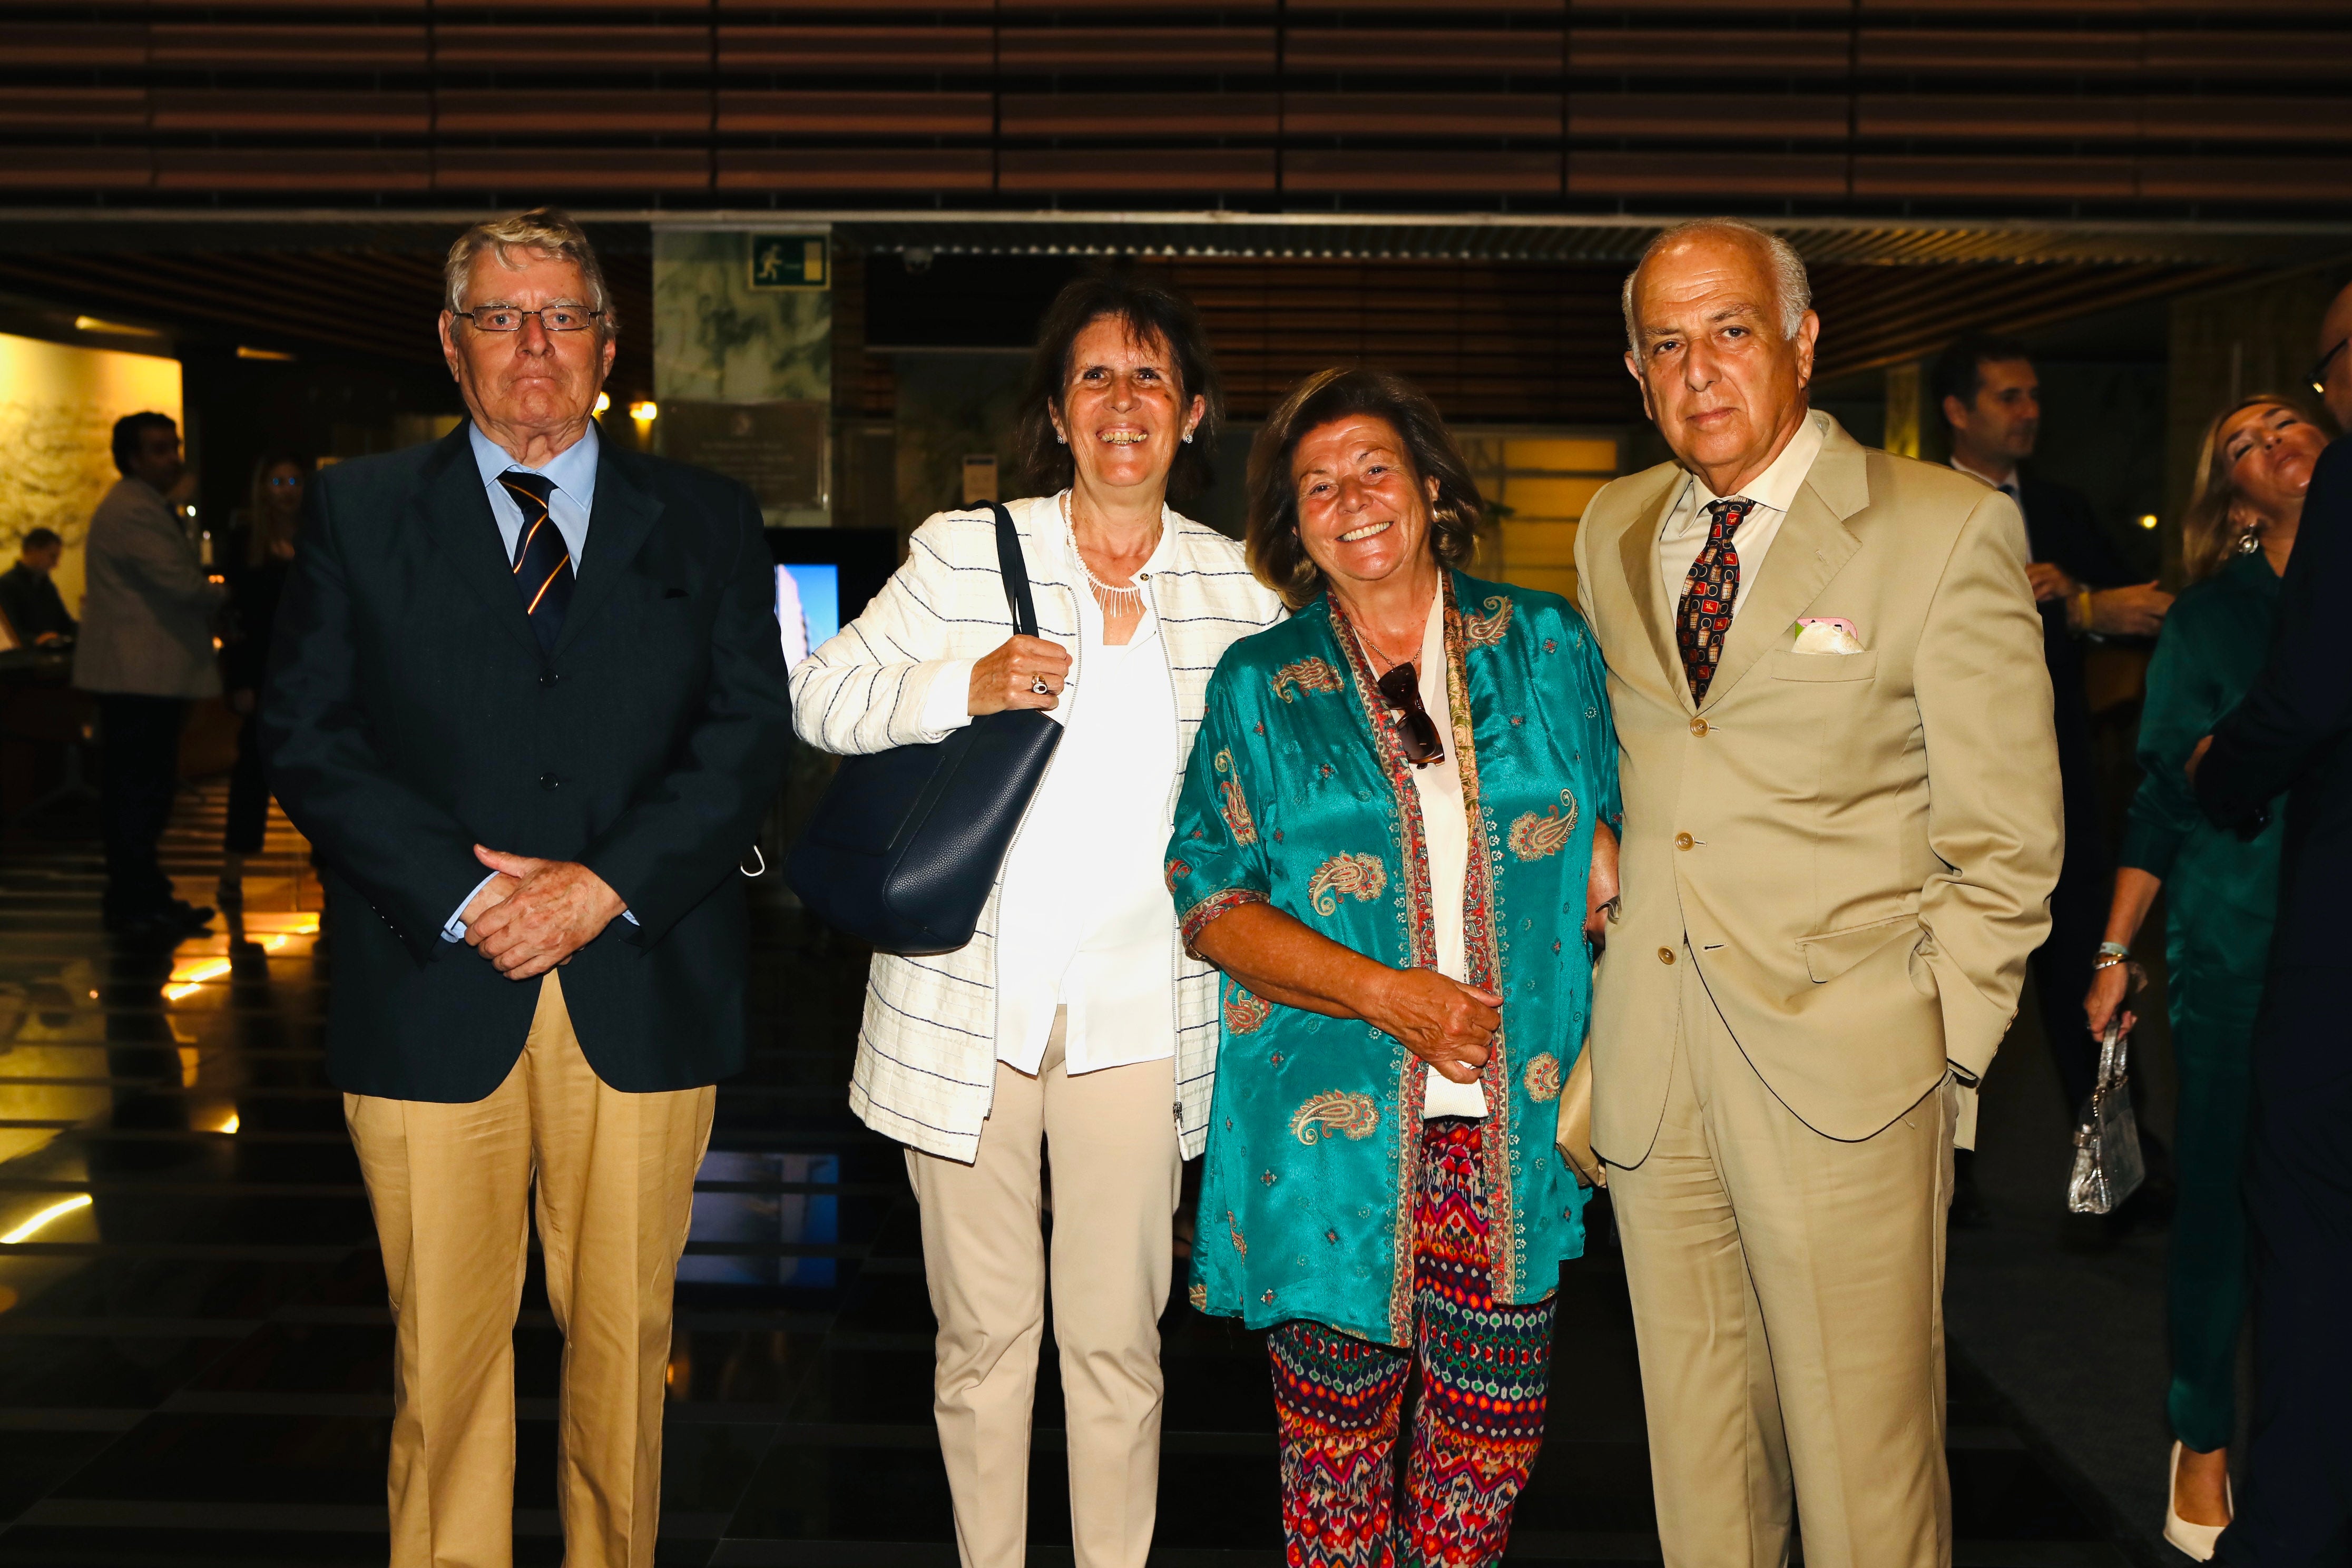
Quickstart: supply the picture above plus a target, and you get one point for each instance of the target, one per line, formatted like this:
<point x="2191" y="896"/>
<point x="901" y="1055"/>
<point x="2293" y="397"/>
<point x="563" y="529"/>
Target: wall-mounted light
<point x="2148" y="520"/>
<point x="118" y="328"/>
<point x="604" y="403"/>
<point x="644" y="411"/>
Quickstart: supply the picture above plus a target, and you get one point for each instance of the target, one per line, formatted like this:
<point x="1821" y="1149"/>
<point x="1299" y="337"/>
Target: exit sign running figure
<point x="787" y="261"/>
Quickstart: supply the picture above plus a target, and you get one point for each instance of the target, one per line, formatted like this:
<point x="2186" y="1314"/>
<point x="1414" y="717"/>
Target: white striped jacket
<point x="927" y="1049"/>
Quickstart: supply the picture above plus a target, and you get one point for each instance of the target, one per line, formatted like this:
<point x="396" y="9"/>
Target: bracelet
<point x="2113" y="949"/>
<point x="2105" y="962"/>
<point x="2083" y="609"/>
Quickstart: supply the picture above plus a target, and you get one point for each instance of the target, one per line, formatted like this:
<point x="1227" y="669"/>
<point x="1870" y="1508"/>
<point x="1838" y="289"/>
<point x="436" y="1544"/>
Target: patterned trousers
<point x="1478" y="1424"/>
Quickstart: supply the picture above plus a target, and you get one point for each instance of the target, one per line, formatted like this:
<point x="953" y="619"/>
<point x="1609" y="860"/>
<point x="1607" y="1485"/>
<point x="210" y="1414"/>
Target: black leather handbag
<point x="906" y="843"/>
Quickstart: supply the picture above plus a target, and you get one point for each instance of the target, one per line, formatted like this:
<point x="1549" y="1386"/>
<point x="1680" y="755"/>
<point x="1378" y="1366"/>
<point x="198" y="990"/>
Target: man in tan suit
<point x="1841" y="828"/>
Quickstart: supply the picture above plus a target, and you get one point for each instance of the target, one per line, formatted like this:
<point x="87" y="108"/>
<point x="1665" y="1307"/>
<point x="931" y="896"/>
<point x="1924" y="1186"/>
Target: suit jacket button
<point x="547" y="678"/>
<point x="1698" y="726"/>
<point x="1665" y="955"/>
<point x="549" y="781"/>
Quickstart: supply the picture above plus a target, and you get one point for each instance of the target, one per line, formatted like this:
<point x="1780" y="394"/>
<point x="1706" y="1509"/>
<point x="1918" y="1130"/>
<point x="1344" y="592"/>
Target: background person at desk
<point x="35" y="611"/>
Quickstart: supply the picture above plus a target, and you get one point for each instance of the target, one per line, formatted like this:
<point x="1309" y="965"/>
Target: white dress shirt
<point x="1447" y="833"/>
<point x="2008" y="487"/>
<point x="1774" y="491"/>
<point x="1083" y="921"/>
<point x="572" y="471"/>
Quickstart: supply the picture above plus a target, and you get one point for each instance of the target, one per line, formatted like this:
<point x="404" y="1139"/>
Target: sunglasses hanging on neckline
<point x="1416" y="731"/>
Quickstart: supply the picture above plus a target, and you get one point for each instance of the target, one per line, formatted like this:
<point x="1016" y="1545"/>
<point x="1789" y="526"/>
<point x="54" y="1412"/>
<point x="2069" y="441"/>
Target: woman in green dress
<point x="1383" y="841"/>
<point x="2222" y="898"/>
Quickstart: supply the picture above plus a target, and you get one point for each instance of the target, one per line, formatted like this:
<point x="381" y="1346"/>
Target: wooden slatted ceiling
<point x="2136" y="106"/>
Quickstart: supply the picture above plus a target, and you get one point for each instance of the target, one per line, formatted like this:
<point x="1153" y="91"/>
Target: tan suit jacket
<point x="147" y="610"/>
<point x="1871" y="837"/>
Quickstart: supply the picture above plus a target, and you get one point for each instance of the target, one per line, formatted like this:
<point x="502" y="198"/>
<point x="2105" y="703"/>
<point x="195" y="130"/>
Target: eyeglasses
<point x="1416" y="730"/>
<point x="509" y="318"/>
<point x="2319" y="371"/>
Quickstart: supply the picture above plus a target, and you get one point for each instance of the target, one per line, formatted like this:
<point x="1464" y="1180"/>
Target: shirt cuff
<point x="947" y="706"/>
<point x="454" y="929"/>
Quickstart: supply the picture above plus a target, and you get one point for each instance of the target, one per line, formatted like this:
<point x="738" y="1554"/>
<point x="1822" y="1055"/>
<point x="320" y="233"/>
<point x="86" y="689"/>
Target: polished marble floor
<point x="194" y="1351"/>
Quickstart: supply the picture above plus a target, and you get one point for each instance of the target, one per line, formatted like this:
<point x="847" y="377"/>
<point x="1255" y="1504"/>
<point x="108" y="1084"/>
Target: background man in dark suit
<point x="1991" y="399"/>
<point x="2294" y="733"/>
<point x="528" y="694"/>
<point x="36" y="611"/>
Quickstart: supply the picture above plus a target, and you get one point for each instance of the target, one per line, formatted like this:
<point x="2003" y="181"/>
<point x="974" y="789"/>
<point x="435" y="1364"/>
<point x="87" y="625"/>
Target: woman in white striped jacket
<point x="1075" y="1017"/>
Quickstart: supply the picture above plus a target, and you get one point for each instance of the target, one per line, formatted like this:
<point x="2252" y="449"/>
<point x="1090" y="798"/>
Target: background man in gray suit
<point x="146" y="649"/>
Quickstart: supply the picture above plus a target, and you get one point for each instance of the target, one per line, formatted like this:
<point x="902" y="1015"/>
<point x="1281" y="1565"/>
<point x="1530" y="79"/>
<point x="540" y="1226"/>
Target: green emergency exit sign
<point x="787" y="261"/>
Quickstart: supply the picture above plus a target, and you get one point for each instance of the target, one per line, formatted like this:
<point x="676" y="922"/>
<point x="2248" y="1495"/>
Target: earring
<point x="1188" y="437"/>
<point x="1060" y="439"/>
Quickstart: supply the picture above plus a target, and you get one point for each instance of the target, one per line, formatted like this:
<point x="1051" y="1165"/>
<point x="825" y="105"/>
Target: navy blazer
<point x="410" y="714"/>
<point x="2293" y="733"/>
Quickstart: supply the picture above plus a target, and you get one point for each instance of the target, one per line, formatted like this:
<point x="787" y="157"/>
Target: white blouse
<point x="1084" y="919"/>
<point x="1447" y="832"/>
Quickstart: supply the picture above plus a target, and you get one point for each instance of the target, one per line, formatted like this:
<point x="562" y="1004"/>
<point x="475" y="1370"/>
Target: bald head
<point x="1792" y="290"/>
<point x="2336" y="353"/>
<point x="1720" y="335"/>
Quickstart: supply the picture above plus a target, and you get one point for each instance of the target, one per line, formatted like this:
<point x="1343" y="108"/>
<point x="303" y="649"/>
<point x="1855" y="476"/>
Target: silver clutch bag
<point x="2108" y="1167"/>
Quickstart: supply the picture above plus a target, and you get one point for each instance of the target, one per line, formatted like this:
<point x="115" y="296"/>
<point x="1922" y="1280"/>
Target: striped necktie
<point x="543" y="562"/>
<point x="1708" y="594"/>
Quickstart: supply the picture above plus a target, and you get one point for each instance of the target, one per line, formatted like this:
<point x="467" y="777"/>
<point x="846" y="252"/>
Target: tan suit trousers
<point x="452" y="1187"/>
<point x="1117" y="1171"/>
<point x="1788" y="1299"/>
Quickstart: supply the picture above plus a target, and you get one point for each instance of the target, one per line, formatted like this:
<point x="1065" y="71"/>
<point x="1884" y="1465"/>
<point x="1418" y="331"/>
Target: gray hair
<point x="542" y="231"/>
<point x="1791" y="289"/>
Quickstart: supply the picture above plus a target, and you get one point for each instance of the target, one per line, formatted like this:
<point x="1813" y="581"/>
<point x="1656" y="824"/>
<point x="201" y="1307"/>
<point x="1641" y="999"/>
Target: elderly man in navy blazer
<point x="527" y="701"/>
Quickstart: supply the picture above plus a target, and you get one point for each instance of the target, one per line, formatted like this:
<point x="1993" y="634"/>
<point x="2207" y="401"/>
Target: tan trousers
<point x="1117" y="1174"/>
<point x="1788" y="1299"/>
<point x="451" y="1187"/>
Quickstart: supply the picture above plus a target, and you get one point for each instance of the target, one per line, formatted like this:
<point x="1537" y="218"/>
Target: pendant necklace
<point x="1112" y="600"/>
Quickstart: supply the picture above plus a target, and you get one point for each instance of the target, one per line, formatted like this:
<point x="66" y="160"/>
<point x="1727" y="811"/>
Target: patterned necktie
<point x="1708" y="594"/>
<point x="542" y="563"/>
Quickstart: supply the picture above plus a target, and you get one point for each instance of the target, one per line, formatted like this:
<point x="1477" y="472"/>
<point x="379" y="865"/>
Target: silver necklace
<point x="1121" y="600"/>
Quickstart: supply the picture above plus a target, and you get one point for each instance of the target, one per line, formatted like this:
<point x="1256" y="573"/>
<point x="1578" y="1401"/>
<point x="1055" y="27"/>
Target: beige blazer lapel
<point x="1811" y="547"/>
<point x="1639" y="545"/>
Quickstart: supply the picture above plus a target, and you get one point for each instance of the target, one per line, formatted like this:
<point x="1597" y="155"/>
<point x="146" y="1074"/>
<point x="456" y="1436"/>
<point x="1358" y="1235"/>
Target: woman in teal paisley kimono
<point x="1387" y="841"/>
<point x="2222" y="898"/>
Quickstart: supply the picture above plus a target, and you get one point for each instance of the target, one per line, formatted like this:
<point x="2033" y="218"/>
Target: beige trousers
<point x="1788" y="1299"/>
<point x="1117" y="1174"/>
<point x="451" y="1188"/>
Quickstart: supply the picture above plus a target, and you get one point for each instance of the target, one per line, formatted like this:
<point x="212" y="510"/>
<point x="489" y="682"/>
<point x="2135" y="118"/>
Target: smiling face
<point x="532" y="382"/>
<point x="1725" y="385"/>
<point x="2269" y="452"/>
<point x="1363" y="515"/>
<point x="1122" y="408"/>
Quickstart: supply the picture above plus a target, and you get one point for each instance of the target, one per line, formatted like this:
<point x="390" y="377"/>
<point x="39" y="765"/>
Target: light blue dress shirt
<point x="573" y="473"/>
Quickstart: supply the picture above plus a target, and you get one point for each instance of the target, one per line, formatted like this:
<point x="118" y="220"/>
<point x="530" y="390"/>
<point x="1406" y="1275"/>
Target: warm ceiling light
<point x="228" y="1126"/>
<point x="644" y="411"/>
<point x="2148" y="520"/>
<point x="93" y="324"/>
<point x="246" y="351"/>
<point x="31" y="1227"/>
<point x="604" y="403"/>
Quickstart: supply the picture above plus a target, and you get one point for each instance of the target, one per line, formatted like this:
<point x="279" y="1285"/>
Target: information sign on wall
<point x="778" y="448"/>
<point x="788" y="261"/>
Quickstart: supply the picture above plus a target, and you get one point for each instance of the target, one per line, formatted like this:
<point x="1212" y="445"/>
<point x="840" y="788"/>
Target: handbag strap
<point x="1015" y="567"/>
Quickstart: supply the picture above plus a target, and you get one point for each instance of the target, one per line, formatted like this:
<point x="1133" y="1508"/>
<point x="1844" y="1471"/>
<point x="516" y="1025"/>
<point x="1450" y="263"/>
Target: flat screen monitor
<point x="824" y="578"/>
<point x="808" y="607"/>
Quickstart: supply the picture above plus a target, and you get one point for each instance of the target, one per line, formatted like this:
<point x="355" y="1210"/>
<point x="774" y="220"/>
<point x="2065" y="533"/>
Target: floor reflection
<point x="195" y="1354"/>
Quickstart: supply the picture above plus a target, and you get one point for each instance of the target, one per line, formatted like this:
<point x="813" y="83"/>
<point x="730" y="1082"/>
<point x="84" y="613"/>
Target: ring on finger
<point x="1040" y="688"/>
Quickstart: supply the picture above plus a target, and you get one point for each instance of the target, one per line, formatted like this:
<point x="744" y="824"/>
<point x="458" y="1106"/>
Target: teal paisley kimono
<point x="1298" y="794"/>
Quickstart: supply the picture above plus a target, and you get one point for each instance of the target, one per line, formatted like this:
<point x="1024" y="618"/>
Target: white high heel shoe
<point x="2195" y="1541"/>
